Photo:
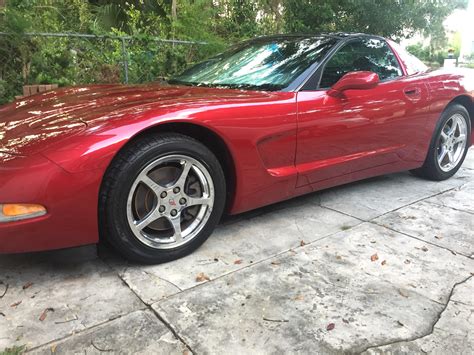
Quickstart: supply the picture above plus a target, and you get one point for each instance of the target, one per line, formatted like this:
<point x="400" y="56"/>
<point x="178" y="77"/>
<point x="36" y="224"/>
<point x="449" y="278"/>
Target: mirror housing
<point x="356" y="80"/>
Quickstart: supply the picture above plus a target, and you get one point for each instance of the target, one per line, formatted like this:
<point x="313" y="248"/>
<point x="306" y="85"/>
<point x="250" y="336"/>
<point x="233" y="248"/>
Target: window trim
<point x="408" y="54"/>
<point x="304" y="77"/>
<point x="316" y="72"/>
<point x="399" y="59"/>
<point x="317" y="75"/>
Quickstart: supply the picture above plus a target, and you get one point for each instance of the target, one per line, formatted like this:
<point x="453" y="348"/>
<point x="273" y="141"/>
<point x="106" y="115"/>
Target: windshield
<point x="266" y="63"/>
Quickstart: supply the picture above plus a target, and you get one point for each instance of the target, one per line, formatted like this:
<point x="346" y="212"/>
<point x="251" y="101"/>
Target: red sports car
<point x="151" y="168"/>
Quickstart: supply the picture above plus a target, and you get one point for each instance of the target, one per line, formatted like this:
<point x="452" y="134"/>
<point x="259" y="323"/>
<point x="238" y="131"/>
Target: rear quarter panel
<point x="446" y="86"/>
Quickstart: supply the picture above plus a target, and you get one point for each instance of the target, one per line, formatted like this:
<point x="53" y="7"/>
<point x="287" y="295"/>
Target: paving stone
<point x="47" y="300"/>
<point x="461" y="198"/>
<point x="443" y="226"/>
<point x="469" y="162"/>
<point x="287" y="304"/>
<point x="137" y="333"/>
<point x="374" y="197"/>
<point x="234" y="246"/>
<point x="464" y="294"/>
<point x="398" y="259"/>
<point x="452" y="333"/>
<point x="397" y="297"/>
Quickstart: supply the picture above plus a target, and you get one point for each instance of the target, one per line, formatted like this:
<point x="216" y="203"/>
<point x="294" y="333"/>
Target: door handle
<point x="413" y="93"/>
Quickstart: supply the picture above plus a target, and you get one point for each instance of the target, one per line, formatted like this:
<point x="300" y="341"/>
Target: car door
<point x="361" y="129"/>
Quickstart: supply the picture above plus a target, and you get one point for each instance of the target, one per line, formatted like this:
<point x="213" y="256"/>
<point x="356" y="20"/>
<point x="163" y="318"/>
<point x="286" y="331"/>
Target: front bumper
<point x="70" y="199"/>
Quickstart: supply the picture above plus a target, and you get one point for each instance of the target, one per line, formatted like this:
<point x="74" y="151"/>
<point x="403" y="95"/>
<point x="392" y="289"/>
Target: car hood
<point x="30" y="124"/>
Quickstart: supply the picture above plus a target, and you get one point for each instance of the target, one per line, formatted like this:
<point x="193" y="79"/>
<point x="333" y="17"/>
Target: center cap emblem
<point x="171" y="202"/>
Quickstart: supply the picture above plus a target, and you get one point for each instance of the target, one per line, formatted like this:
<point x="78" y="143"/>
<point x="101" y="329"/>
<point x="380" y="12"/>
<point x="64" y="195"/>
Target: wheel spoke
<point x="444" y="136"/>
<point x="442" y="155"/>
<point x="195" y="201"/>
<point x="184" y="173"/>
<point x="151" y="184"/>
<point x="460" y="139"/>
<point x="146" y="221"/>
<point x="176" y="223"/>
<point x="453" y="127"/>
<point x="450" y="157"/>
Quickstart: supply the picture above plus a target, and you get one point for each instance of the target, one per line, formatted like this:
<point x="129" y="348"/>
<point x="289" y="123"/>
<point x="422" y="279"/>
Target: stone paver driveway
<point x="380" y="266"/>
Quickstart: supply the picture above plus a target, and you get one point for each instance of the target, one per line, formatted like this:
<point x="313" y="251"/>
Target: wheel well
<point x="468" y="103"/>
<point x="211" y="140"/>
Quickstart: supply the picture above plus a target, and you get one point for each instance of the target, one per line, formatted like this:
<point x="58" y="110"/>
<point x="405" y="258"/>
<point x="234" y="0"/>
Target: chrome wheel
<point x="170" y="201"/>
<point x="452" y="142"/>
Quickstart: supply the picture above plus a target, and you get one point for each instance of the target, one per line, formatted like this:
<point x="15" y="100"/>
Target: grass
<point x="16" y="350"/>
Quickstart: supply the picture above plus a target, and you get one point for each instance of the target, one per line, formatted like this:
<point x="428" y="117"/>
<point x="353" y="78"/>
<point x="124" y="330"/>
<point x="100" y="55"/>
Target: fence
<point x="73" y="58"/>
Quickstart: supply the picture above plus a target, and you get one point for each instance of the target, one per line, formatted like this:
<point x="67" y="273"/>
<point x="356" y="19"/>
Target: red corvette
<point x="151" y="168"/>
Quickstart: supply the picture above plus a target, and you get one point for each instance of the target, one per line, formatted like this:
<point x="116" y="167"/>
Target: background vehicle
<point x="154" y="167"/>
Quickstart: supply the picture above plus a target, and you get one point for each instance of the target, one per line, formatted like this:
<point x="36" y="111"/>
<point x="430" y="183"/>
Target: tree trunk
<point x="174" y="17"/>
<point x="174" y="14"/>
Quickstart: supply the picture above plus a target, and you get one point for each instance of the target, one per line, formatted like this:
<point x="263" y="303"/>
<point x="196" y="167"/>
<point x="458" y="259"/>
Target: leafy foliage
<point x="434" y="56"/>
<point x="387" y="18"/>
<point x="69" y="61"/>
<point x="15" y="350"/>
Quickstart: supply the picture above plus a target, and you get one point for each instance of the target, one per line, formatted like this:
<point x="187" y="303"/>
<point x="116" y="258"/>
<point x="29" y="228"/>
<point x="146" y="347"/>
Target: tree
<point x="219" y="23"/>
<point x="389" y="18"/>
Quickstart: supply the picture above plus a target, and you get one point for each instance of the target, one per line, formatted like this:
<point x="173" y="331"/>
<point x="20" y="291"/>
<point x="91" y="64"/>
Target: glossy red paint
<point x="70" y="199"/>
<point x="360" y="80"/>
<point x="55" y="147"/>
<point x="361" y="129"/>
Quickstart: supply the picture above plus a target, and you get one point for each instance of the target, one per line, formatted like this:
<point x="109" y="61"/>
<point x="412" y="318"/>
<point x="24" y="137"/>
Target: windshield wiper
<point x="180" y="82"/>
<point x="264" y="87"/>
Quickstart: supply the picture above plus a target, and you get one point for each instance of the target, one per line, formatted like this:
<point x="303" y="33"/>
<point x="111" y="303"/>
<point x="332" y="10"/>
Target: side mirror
<point x="356" y="80"/>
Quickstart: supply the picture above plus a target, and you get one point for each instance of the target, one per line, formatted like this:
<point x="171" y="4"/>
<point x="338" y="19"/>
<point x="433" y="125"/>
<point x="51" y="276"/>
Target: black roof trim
<point x="337" y="35"/>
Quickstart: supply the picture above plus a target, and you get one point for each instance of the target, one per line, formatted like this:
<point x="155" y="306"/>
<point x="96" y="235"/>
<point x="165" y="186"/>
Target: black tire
<point x="118" y="182"/>
<point x="431" y="169"/>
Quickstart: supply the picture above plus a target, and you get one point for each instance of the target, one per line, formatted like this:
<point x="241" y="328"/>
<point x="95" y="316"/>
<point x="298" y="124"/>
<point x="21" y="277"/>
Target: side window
<point x="361" y="55"/>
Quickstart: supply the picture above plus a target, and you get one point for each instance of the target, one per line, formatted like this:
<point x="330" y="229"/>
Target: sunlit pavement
<point x="384" y="266"/>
